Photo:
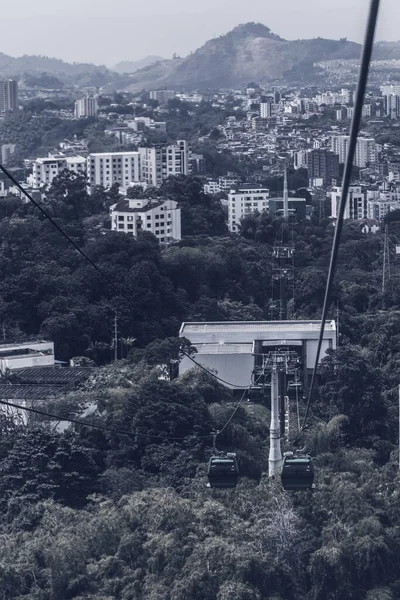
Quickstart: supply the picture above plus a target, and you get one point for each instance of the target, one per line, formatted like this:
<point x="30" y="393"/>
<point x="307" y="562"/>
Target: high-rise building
<point x="322" y="164"/>
<point x="161" y="161"/>
<point x="245" y="200"/>
<point x="7" y="150"/>
<point x="300" y="159"/>
<point x="391" y="104"/>
<point x="365" y="154"/>
<point x="265" y="110"/>
<point x="109" y="168"/>
<point x="87" y="106"/>
<point x="162" y="96"/>
<point x="8" y="95"/>
<point x="356" y="205"/>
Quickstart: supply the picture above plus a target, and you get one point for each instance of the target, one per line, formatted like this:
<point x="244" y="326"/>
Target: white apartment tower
<point x="44" y="170"/>
<point x="365" y="150"/>
<point x="109" y="168"/>
<point x="356" y="204"/>
<point x="8" y="95"/>
<point x="87" y="106"/>
<point x="265" y="110"/>
<point x="243" y="201"/>
<point x="161" y="217"/>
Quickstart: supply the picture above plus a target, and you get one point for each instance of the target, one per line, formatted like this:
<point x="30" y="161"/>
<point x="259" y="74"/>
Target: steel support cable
<point x="108" y="280"/>
<point x="355" y="124"/>
<point x="132" y="434"/>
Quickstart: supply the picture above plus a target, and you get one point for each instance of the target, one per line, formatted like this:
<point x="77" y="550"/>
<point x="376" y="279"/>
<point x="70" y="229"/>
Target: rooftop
<point x="123" y="206"/>
<point x="54" y="376"/>
<point x="255" y="326"/>
<point x="30" y="392"/>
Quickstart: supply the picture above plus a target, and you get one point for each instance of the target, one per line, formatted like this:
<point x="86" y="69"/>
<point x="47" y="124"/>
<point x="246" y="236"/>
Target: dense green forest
<point x="101" y="515"/>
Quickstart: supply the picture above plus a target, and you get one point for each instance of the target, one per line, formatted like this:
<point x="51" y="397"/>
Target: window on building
<point x="129" y="218"/>
<point x="157" y="232"/>
<point x="121" y="218"/>
<point x="157" y="216"/>
<point x="148" y="225"/>
<point x="121" y="225"/>
<point x="130" y="225"/>
<point x="148" y="217"/>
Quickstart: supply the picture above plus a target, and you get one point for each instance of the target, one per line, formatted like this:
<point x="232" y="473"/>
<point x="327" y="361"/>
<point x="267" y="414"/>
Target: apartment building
<point x="322" y="164"/>
<point x="245" y="200"/>
<point x="44" y="170"/>
<point x="161" y="161"/>
<point x="356" y="205"/>
<point x="265" y="110"/>
<point x="7" y="150"/>
<point x="162" y="96"/>
<point x="87" y="106"/>
<point x="109" y="168"/>
<point x="8" y="96"/>
<point x="366" y="151"/>
<point x="161" y="217"/>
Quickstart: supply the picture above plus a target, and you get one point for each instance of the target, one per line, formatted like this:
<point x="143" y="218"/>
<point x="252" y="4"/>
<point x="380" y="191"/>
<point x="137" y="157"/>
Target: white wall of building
<point x="356" y="205"/>
<point x="26" y="354"/>
<point x="44" y="170"/>
<point x="108" y="168"/>
<point x="245" y="201"/>
<point x="86" y="107"/>
<point x="161" y="218"/>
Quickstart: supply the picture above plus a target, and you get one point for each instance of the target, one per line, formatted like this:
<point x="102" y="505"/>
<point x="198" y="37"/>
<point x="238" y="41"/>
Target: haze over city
<point x="105" y="33"/>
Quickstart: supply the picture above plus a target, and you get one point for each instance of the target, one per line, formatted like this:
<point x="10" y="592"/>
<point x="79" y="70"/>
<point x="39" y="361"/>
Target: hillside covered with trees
<point x="125" y="514"/>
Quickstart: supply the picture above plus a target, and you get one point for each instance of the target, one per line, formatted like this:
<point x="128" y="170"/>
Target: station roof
<point x="245" y="332"/>
<point x="254" y="326"/>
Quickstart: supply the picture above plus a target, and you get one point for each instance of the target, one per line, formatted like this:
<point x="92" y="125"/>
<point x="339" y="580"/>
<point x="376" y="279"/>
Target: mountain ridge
<point x="248" y="52"/>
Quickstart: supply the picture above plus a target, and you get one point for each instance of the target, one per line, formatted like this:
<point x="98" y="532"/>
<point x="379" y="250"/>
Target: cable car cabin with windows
<point x="223" y="471"/>
<point x="297" y="472"/>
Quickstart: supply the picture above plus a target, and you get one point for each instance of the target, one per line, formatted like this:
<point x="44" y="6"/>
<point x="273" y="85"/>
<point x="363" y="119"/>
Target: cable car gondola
<point x="297" y="472"/>
<point x="223" y="471"/>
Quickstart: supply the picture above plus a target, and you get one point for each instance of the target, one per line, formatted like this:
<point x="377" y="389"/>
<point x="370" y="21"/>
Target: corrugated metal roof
<point x="30" y="392"/>
<point x="63" y="376"/>
<point x="255" y="326"/>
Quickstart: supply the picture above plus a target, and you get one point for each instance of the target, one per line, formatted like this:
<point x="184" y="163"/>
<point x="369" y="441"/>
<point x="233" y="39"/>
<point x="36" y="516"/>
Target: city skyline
<point x="101" y="36"/>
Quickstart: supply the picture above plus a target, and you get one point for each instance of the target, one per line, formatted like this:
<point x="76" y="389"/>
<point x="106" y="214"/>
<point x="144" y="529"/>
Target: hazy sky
<point x="105" y="32"/>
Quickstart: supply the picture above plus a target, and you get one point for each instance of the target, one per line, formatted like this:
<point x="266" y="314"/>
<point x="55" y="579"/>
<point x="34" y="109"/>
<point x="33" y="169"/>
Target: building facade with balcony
<point x="161" y="217"/>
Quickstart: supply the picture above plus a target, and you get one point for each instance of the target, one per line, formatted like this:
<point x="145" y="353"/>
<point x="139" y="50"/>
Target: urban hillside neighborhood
<point x="166" y="230"/>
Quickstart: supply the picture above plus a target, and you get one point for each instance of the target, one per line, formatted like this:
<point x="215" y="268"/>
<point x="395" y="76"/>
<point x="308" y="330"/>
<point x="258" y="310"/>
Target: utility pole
<point x="115" y="337"/>
<point x="282" y="272"/>
<point x="337" y="324"/>
<point x="285" y="196"/>
<point x="386" y="265"/>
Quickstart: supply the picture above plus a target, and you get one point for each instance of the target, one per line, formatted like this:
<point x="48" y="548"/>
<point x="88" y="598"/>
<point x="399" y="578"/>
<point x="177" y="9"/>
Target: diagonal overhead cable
<point x="355" y="125"/>
<point x="115" y="287"/>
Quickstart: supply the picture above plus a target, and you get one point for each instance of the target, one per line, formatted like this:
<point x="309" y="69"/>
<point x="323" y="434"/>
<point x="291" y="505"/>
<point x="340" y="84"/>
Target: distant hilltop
<point x="250" y="52"/>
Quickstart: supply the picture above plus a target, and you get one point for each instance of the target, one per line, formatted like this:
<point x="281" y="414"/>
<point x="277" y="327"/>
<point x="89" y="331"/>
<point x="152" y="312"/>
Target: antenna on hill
<point x="285" y="194"/>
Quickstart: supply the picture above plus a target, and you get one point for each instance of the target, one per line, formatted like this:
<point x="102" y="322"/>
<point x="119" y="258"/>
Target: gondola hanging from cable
<point x="297" y="472"/>
<point x="223" y="471"/>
